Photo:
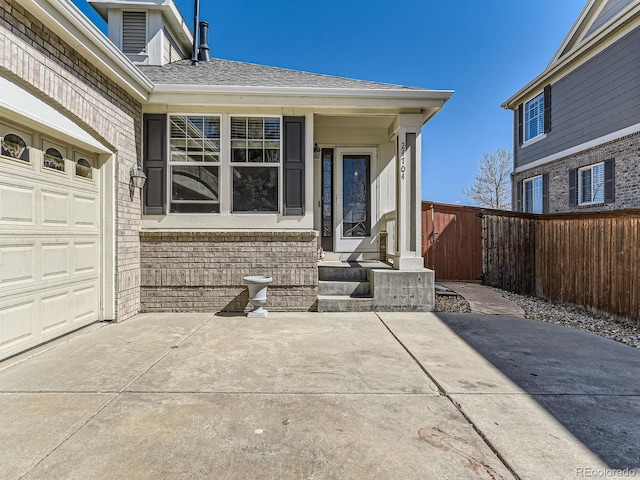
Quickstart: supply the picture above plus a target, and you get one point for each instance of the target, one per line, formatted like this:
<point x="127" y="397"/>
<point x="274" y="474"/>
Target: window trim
<point x="230" y="164"/>
<point x="524" y="195"/>
<point x="580" y="187"/>
<point x="170" y="164"/>
<point x="542" y="134"/>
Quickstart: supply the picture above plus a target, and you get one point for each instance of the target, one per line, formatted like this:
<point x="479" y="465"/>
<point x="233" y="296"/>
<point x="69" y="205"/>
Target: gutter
<point x="71" y="25"/>
<point x="391" y="93"/>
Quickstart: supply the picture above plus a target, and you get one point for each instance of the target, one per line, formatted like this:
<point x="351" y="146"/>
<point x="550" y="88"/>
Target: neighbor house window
<point x="255" y="163"/>
<point x="194" y="163"/>
<point x="591" y="184"/>
<point x="534" y="118"/>
<point x="533" y="195"/>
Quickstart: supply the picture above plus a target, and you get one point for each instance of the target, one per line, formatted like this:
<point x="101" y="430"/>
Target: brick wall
<point x="203" y="271"/>
<point x="33" y="55"/>
<point x="625" y="151"/>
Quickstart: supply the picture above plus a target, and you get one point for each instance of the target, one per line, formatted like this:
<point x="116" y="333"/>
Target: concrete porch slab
<point x="448" y="358"/>
<point x="106" y="361"/>
<point x="34" y="425"/>
<point x="509" y="421"/>
<point x="323" y="353"/>
<point x="253" y="436"/>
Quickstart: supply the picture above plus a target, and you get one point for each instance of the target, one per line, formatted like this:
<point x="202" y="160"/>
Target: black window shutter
<point x="545" y="193"/>
<point x="155" y="163"/>
<point x="609" y="181"/>
<point x="519" y="206"/>
<point x="573" y="187"/>
<point x="520" y="123"/>
<point x="293" y="165"/>
<point x="547" y="109"/>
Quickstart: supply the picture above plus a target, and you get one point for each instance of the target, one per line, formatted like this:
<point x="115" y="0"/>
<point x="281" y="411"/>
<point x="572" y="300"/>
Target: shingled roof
<point x="231" y="73"/>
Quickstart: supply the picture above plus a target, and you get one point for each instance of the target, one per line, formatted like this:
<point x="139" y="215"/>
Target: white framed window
<point x="194" y="163"/>
<point x="534" y="118"/>
<point x="255" y="163"/>
<point x="591" y="184"/>
<point x="532" y="194"/>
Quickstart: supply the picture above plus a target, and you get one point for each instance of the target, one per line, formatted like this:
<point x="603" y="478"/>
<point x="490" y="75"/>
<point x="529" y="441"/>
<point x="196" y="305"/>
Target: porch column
<point x="408" y="236"/>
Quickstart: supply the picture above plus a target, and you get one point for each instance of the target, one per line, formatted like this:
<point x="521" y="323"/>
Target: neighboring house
<point x="250" y="170"/>
<point x="577" y="124"/>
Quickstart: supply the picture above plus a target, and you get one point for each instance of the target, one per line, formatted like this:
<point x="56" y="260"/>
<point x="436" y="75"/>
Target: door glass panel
<point x="327" y="199"/>
<point x="356" y="217"/>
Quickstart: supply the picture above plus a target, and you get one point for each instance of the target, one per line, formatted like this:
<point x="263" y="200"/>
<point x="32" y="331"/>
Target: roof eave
<point x="72" y="26"/>
<point x="328" y="99"/>
<point x="618" y="27"/>
<point x="390" y="93"/>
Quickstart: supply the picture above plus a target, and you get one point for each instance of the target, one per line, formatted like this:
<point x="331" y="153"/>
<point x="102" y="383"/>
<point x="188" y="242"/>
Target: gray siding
<point x="599" y="98"/>
<point x="612" y="8"/>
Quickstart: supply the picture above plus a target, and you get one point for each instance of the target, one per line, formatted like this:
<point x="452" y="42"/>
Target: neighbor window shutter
<point x="293" y="165"/>
<point x="520" y="115"/>
<point x="545" y="193"/>
<point x="573" y="187"/>
<point x="519" y="206"/>
<point x="547" y="109"/>
<point x="155" y="163"/>
<point x="609" y="181"/>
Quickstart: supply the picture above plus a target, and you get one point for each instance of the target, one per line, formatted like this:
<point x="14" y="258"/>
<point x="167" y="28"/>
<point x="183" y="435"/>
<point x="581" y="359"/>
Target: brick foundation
<point x="203" y="271"/>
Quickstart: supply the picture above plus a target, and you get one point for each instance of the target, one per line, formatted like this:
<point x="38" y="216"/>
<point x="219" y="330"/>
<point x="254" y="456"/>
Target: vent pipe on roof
<point x="203" y="49"/>
<point x="196" y="14"/>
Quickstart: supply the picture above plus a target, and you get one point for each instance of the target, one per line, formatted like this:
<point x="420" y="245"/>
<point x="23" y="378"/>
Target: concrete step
<point x="327" y="287"/>
<point x="342" y="273"/>
<point x="342" y="303"/>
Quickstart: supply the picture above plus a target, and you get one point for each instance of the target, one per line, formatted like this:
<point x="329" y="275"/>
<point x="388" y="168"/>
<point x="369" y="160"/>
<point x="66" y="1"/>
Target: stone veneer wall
<point x="34" y="56"/>
<point x="625" y="151"/>
<point x="203" y="271"/>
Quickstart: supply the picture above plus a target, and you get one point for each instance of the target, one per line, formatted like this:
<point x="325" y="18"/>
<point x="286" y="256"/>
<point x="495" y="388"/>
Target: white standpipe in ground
<point x="258" y="294"/>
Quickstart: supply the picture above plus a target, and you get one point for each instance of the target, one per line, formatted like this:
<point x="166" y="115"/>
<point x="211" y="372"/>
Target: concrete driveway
<point x="322" y="396"/>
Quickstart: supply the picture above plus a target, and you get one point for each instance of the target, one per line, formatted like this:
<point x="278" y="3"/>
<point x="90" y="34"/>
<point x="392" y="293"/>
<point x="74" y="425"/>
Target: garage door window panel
<point x="14" y="146"/>
<point x="53" y="160"/>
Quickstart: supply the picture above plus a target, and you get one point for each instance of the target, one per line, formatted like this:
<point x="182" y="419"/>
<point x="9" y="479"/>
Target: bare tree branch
<point x="492" y="185"/>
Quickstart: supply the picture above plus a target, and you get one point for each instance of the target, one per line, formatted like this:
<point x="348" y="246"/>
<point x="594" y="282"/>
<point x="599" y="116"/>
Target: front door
<point x="354" y="200"/>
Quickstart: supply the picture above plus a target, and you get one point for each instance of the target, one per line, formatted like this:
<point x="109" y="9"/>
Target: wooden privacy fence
<point x="587" y="259"/>
<point x="452" y="241"/>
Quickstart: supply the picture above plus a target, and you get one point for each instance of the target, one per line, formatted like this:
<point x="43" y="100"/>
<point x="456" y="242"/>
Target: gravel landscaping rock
<point x="608" y="326"/>
<point x="620" y="330"/>
<point x="451" y="304"/>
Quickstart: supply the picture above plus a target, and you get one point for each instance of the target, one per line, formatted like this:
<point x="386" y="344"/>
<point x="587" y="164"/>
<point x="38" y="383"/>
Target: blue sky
<point x="484" y="50"/>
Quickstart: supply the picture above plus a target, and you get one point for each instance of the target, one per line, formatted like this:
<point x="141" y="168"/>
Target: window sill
<point x="534" y="140"/>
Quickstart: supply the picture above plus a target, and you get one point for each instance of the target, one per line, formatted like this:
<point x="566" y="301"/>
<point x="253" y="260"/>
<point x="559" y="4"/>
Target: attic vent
<point x="134" y="32"/>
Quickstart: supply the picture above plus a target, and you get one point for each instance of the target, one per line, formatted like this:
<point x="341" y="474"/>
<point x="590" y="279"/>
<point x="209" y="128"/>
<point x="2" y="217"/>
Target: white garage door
<point x="49" y="250"/>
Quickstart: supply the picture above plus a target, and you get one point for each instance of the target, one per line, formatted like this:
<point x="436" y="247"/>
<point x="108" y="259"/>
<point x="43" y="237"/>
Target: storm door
<point x="354" y="200"/>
